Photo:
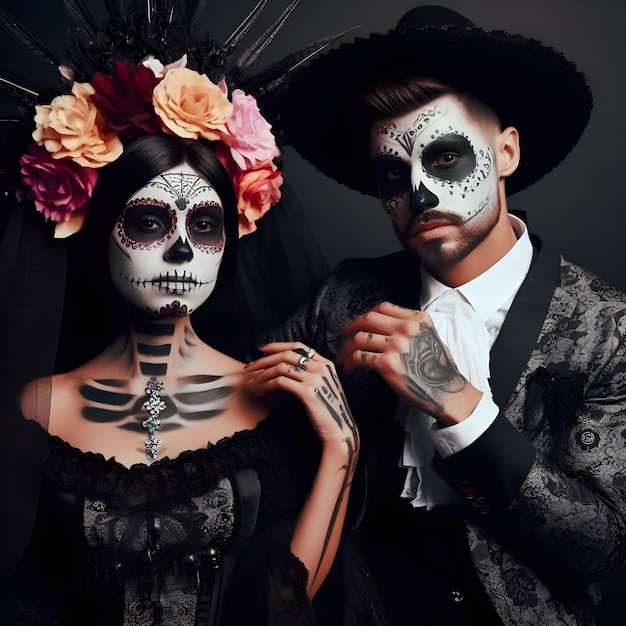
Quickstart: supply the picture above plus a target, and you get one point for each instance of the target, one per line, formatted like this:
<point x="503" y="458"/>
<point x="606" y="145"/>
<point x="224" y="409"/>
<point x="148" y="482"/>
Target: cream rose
<point x="71" y="127"/>
<point x="190" y="105"/>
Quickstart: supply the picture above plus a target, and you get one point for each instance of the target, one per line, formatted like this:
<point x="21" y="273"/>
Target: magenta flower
<point x="60" y="188"/>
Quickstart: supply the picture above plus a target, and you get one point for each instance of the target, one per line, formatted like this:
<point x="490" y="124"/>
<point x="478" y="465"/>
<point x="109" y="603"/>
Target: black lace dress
<point x="151" y="544"/>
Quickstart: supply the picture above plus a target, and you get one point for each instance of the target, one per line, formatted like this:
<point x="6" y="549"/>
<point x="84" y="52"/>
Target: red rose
<point x="125" y="99"/>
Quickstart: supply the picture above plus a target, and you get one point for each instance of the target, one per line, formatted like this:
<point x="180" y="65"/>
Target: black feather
<point x="197" y="12"/>
<point x="241" y="31"/>
<point x="275" y="74"/>
<point x="80" y="14"/>
<point x="27" y="38"/>
<point x="20" y="93"/>
<point x="250" y="55"/>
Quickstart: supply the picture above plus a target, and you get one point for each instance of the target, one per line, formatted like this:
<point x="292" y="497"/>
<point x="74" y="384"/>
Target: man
<point x="496" y="495"/>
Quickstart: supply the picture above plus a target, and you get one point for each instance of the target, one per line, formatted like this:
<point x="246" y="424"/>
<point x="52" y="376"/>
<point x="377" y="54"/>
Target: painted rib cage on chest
<point x="196" y="398"/>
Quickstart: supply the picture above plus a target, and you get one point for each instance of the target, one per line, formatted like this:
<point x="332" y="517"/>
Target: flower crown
<point x="78" y="133"/>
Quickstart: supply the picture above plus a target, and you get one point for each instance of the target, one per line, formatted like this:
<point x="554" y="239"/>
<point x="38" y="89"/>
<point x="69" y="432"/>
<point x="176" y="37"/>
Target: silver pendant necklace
<point x="154" y="405"/>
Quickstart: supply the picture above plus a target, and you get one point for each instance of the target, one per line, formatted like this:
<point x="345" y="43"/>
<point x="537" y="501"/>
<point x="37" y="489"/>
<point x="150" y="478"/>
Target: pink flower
<point x="60" y="189"/>
<point x="256" y="190"/>
<point x="249" y="134"/>
<point x="125" y="99"/>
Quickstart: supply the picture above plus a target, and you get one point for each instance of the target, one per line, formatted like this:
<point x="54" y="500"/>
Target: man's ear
<point x="507" y="151"/>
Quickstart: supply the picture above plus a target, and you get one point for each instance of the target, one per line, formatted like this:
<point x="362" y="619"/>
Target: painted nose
<point x="422" y="199"/>
<point x="179" y="253"/>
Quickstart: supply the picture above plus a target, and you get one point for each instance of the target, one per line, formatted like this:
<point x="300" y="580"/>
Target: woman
<point x="139" y="516"/>
<point x="178" y="485"/>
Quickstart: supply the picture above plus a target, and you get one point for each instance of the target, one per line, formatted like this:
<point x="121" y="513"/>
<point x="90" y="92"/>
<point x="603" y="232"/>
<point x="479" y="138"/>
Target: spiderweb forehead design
<point x="184" y="187"/>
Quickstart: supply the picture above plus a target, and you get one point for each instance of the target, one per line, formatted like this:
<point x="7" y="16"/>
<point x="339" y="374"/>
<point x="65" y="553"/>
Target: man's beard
<point x="438" y="255"/>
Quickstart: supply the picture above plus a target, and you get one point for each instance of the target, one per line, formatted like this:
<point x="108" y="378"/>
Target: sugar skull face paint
<point x="167" y="245"/>
<point x="437" y="179"/>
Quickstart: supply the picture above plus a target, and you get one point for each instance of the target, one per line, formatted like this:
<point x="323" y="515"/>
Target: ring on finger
<point x="287" y="367"/>
<point x="300" y="369"/>
<point x="303" y="360"/>
<point x="310" y="354"/>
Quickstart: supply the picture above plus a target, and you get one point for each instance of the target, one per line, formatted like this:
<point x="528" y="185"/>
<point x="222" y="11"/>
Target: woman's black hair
<point x="92" y="313"/>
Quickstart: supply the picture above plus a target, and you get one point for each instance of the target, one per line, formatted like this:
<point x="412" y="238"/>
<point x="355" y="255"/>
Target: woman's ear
<point x="507" y="151"/>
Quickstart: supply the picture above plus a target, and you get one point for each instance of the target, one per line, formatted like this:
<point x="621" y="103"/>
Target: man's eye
<point x="449" y="157"/>
<point x="446" y="159"/>
<point x="392" y="174"/>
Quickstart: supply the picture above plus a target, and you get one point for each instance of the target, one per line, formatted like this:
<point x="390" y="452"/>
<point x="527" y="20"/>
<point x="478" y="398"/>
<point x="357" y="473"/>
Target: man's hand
<point x="403" y="346"/>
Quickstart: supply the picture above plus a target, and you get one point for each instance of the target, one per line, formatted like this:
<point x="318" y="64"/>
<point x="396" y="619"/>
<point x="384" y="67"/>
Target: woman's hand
<point x="297" y="369"/>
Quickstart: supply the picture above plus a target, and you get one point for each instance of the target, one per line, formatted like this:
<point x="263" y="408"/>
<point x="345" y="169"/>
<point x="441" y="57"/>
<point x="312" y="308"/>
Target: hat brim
<point x="529" y="85"/>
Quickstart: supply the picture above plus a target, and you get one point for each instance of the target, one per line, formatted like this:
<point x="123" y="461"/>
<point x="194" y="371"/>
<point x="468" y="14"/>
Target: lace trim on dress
<point x="180" y="478"/>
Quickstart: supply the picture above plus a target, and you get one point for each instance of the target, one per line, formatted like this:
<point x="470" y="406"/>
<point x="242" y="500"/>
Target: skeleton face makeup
<point x="167" y="245"/>
<point x="437" y="180"/>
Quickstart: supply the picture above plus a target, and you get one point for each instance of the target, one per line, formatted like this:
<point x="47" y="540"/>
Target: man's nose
<point x="179" y="252"/>
<point x="422" y="199"/>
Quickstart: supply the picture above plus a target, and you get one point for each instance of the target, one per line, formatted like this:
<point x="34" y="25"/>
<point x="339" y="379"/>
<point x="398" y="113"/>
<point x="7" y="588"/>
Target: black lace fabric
<point x="118" y="545"/>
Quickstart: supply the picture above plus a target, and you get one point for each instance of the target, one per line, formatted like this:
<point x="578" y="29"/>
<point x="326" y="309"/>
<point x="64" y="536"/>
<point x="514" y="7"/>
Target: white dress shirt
<point x="490" y="296"/>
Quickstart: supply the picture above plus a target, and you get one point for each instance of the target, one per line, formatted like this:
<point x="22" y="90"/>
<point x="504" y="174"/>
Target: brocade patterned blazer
<point x="545" y="486"/>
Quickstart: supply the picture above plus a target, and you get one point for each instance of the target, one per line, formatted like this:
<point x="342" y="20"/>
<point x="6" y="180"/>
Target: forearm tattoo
<point x="333" y="398"/>
<point x="428" y="368"/>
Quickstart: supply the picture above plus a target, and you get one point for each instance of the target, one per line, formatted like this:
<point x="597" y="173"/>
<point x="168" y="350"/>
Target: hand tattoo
<point x="428" y="367"/>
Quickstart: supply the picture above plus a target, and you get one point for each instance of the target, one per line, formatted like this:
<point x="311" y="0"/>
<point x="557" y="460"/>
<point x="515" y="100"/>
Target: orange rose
<point x="257" y="189"/>
<point x="190" y="105"/>
<point x="71" y="127"/>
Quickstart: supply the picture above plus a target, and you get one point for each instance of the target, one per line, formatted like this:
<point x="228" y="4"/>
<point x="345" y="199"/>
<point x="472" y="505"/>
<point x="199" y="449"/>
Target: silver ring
<point x="303" y="360"/>
<point x="310" y="353"/>
<point x="300" y="370"/>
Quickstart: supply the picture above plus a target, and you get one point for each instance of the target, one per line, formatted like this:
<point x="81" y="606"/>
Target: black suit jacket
<point x="545" y="485"/>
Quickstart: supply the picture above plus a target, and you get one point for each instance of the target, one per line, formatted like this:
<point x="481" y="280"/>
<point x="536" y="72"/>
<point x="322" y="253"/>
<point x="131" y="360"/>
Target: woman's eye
<point x="149" y="224"/>
<point x="202" y="225"/>
<point x="145" y="221"/>
<point x="206" y="224"/>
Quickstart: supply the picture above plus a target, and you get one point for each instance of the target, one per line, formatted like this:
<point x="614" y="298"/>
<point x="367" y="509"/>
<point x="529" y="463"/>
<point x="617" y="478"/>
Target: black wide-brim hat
<point x="529" y="85"/>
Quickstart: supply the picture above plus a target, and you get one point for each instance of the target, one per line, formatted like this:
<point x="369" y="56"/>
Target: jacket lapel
<point x="524" y="321"/>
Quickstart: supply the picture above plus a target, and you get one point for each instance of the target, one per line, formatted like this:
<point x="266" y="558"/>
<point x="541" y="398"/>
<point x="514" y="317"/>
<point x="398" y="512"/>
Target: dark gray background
<point x="578" y="206"/>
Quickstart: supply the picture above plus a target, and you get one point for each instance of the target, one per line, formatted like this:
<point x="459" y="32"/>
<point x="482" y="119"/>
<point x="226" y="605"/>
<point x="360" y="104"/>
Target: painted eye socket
<point x="205" y="224"/>
<point x="392" y="176"/>
<point x="449" y="157"/>
<point x="145" y="222"/>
